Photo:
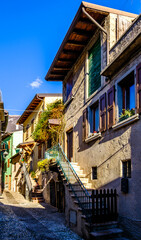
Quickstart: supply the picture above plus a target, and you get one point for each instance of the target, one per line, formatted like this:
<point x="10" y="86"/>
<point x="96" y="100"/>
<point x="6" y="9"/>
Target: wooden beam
<point x="82" y="32"/>
<point x="68" y="60"/>
<point x="85" y="21"/>
<point x="60" y="69"/>
<point x="75" y="44"/>
<point x="55" y="79"/>
<point x="65" y="51"/>
<point x="56" y="75"/>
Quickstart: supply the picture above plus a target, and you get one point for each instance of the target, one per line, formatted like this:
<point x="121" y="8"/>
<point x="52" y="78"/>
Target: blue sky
<point x="31" y="33"/>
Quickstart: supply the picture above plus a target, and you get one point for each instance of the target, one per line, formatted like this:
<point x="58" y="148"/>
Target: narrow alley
<point x="21" y="219"/>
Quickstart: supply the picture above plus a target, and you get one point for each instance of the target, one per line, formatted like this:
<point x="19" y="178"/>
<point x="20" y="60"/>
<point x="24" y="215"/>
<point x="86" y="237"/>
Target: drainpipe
<point x="101" y="28"/>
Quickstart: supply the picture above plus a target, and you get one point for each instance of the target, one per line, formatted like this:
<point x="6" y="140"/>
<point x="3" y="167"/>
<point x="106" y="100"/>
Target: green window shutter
<point x="94" y="68"/>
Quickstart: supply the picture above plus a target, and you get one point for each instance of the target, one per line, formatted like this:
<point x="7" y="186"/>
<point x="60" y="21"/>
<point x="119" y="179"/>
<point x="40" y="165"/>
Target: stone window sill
<point x="69" y="100"/>
<point x="126" y="122"/>
<point x="92" y="138"/>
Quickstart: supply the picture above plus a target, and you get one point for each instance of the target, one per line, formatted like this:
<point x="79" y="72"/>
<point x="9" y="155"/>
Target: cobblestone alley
<point x="21" y="219"/>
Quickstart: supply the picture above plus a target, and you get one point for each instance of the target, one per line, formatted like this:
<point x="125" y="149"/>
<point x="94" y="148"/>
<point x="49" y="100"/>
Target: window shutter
<point x="138" y="82"/>
<point x="111" y="107"/>
<point x="85" y="124"/>
<point x="94" y="68"/>
<point x="103" y="112"/>
<point x="8" y="145"/>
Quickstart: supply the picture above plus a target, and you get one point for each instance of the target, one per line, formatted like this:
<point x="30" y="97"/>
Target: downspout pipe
<point x="100" y="27"/>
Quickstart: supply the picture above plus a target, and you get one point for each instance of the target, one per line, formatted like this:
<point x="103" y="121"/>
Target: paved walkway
<point x="21" y="219"/>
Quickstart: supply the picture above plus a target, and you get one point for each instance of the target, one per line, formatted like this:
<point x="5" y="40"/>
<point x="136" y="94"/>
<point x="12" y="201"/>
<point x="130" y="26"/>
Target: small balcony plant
<point x="126" y="113"/>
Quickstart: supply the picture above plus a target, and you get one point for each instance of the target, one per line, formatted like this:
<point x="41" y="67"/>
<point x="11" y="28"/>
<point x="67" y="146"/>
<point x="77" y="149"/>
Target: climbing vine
<point x="44" y="130"/>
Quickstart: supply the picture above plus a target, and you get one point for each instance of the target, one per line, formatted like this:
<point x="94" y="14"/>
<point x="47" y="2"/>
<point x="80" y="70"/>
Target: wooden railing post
<point x="93" y="206"/>
<point x="105" y="214"/>
<point x="115" y="203"/>
<point x="100" y="205"/>
<point x="112" y="205"/>
<point x="96" y="205"/>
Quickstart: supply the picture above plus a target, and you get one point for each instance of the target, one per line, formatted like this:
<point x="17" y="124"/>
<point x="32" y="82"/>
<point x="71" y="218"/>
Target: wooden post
<point x="112" y="205"/>
<point x="105" y="213"/>
<point x="108" y="204"/>
<point x="96" y="205"/>
<point x="93" y="206"/>
<point x="100" y="205"/>
<point x="115" y="203"/>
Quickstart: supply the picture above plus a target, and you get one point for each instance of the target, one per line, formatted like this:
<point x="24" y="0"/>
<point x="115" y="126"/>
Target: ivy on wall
<point x="44" y="130"/>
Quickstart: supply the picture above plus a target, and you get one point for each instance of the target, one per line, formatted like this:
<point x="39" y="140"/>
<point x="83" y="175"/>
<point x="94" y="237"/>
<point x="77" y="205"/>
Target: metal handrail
<point x="74" y="172"/>
<point x="57" y="149"/>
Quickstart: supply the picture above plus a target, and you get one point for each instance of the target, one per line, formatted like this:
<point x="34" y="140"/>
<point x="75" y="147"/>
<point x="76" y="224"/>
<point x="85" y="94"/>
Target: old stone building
<point x="99" y="63"/>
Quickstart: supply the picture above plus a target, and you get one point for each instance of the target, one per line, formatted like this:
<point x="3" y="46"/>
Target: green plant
<point x="33" y="174"/>
<point x="44" y="130"/>
<point x="43" y="165"/>
<point x="126" y="114"/>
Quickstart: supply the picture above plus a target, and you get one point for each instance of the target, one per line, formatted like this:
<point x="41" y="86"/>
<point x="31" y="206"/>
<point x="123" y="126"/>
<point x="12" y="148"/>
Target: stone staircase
<point x="37" y="196"/>
<point x="109" y="230"/>
<point x="78" y="207"/>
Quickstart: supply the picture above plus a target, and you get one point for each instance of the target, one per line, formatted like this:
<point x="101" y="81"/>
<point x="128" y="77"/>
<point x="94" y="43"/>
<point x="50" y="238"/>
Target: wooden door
<point x="70" y="145"/>
<point x="9" y="185"/>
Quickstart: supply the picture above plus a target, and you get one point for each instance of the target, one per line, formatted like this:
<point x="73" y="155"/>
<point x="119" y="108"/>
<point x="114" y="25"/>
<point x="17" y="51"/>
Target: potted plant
<point x="126" y="114"/>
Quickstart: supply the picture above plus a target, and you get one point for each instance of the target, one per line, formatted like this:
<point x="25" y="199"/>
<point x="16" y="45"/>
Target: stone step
<point x="37" y="199"/>
<point x="104" y="226"/>
<point x="74" y="163"/>
<point x="106" y="233"/>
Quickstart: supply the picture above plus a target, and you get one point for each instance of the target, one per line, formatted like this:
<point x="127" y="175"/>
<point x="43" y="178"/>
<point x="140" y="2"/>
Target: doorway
<point x="70" y="145"/>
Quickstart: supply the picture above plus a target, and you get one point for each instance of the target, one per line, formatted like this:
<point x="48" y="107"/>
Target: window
<point x="32" y="126"/>
<point x="126" y="169"/>
<point x="94" y="118"/>
<point x="39" y="115"/>
<point x="126" y="95"/>
<point x="68" y="88"/>
<point x="94" y="173"/>
<point x="94" y="65"/>
<point x="27" y="131"/>
<point x="40" y="151"/>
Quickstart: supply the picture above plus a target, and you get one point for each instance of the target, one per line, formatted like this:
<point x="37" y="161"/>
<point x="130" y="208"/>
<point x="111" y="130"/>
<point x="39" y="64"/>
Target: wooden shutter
<point x="111" y="107"/>
<point x="103" y="112"/>
<point x="85" y="125"/>
<point x="138" y="82"/>
<point x="94" y="68"/>
<point x="8" y="145"/>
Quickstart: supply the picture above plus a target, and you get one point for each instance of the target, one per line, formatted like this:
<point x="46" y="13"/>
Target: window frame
<point x="91" y="118"/>
<point x="27" y="131"/>
<point x="94" y="173"/>
<point x="117" y="111"/>
<point x="32" y="125"/>
<point x="126" y="172"/>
